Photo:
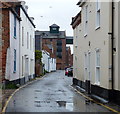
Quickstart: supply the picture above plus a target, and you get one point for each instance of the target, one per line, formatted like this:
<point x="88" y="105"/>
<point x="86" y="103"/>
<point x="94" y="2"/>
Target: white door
<point x="89" y="66"/>
<point x="87" y="73"/>
<point x="26" y="67"/>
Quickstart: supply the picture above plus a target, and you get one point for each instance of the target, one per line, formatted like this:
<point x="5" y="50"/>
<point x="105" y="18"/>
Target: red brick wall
<point x="0" y="45"/>
<point x="60" y="62"/>
<point x="69" y="58"/>
<point x="5" y="39"/>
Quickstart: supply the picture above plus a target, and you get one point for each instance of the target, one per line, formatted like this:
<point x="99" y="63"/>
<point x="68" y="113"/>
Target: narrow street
<point x="53" y="93"/>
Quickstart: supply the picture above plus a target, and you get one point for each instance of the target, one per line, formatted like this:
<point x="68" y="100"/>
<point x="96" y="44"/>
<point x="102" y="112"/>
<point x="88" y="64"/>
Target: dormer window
<point x="54" y="28"/>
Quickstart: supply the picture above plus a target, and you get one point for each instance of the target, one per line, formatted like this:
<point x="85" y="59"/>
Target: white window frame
<point x="86" y="21"/>
<point x="27" y="40"/>
<point x="22" y="65"/>
<point x="97" y="66"/>
<point x="98" y="8"/>
<point x="22" y="36"/>
<point x="30" y="42"/>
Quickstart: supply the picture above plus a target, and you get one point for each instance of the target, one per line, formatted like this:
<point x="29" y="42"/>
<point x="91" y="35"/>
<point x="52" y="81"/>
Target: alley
<point x="53" y="93"/>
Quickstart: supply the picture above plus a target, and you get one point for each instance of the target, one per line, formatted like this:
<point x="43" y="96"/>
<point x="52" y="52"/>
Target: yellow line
<point x="111" y="109"/>
<point x="4" y="108"/>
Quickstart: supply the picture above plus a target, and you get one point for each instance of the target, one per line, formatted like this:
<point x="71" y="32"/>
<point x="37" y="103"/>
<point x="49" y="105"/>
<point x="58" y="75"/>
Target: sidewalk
<point x="4" y="95"/>
<point x="109" y="105"/>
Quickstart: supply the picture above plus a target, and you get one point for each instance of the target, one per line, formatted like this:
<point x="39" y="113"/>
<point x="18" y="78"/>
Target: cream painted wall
<point x="98" y="38"/>
<point x="117" y="45"/>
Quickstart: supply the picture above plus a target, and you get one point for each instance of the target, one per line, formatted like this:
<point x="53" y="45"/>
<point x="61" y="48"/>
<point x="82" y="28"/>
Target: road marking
<point x="111" y="109"/>
<point x="4" y="108"/>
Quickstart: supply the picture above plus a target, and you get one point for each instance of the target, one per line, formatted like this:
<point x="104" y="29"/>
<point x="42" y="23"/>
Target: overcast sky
<point x="48" y="12"/>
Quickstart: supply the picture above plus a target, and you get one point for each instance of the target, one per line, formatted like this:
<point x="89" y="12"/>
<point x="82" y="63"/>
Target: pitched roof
<point x="54" y="25"/>
<point x="4" y="5"/>
<point x="7" y="5"/>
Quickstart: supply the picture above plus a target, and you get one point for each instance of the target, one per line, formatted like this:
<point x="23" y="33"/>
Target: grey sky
<point x="48" y="12"/>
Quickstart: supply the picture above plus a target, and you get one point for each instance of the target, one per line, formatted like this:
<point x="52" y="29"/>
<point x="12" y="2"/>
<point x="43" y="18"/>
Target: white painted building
<point x="97" y="48"/>
<point x="27" y="45"/>
<point x="13" y="51"/>
<point x="49" y="63"/>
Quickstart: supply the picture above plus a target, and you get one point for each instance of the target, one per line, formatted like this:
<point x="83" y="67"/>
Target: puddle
<point x="67" y="105"/>
<point x="38" y="91"/>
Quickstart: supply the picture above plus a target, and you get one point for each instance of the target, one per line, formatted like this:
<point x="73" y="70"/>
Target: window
<point x="22" y="36"/>
<point x="59" y="55"/>
<point x="30" y="42"/>
<point x="59" y="48"/>
<point x="97" y="14"/>
<point x="97" y="66"/>
<point x="54" y="28"/>
<point x="59" y="42"/>
<point x="27" y="40"/>
<point x="15" y="26"/>
<point x="14" y="60"/>
<point x="86" y="20"/>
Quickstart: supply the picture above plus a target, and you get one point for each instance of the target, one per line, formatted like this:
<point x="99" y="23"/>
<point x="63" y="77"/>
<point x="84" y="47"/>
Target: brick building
<point x="69" y="57"/>
<point x="54" y="42"/>
<point x="10" y="40"/>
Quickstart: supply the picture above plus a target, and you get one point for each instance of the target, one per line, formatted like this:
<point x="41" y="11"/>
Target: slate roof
<point x="54" y="25"/>
<point x="47" y="34"/>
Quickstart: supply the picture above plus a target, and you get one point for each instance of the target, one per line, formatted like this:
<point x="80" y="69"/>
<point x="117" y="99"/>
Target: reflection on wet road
<point x="51" y="94"/>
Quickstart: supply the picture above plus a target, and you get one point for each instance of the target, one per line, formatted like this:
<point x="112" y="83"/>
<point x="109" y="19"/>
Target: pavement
<point x="53" y="93"/>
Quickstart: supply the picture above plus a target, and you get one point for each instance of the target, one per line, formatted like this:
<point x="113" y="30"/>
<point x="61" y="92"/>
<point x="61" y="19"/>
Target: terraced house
<point x="17" y="43"/>
<point x="96" y="49"/>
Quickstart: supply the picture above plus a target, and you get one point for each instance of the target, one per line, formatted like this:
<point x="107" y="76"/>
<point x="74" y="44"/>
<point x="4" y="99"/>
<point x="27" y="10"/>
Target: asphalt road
<point x="53" y="93"/>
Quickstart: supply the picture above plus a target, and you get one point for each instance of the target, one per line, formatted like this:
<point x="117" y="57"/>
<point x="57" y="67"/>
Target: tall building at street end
<point x="54" y="42"/>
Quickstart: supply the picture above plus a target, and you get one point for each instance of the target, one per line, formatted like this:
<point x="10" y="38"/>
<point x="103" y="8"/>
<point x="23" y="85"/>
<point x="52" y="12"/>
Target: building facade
<point x="48" y="62"/>
<point x="96" y="49"/>
<point x="27" y="45"/>
<point x="54" y="42"/>
<point x="10" y="42"/>
<point x="69" y="57"/>
<point x="17" y="43"/>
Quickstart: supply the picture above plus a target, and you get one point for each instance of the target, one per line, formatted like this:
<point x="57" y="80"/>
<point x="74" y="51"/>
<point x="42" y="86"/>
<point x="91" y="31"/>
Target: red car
<point x="66" y="71"/>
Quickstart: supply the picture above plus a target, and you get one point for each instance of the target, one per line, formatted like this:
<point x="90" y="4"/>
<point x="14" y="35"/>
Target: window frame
<point x="86" y="21"/>
<point x="15" y="27"/>
<point x="15" y="58"/>
<point x="97" y="66"/>
<point x="98" y="10"/>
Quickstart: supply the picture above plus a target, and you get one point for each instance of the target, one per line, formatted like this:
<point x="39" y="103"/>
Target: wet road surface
<point x="53" y="93"/>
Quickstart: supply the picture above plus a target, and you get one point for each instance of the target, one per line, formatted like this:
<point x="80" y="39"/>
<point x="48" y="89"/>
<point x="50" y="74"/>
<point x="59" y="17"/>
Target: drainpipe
<point x="112" y="40"/>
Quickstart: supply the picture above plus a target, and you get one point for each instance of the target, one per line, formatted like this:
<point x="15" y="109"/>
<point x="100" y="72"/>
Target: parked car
<point x="70" y="71"/>
<point x="66" y="71"/>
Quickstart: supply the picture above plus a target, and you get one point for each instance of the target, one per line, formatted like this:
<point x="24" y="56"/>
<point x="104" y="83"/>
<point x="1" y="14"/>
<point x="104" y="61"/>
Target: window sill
<point x="97" y="28"/>
<point x="97" y="66"/>
<point x="14" y="37"/>
<point x="85" y="35"/>
<point x="14" y="72"/>
<point x="98" y="84"/>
